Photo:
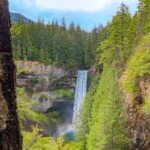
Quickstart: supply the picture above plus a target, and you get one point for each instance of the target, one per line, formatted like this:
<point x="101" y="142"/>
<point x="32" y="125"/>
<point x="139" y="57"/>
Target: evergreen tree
<point x="118" y="46"/>
<point x="63" y="24"/>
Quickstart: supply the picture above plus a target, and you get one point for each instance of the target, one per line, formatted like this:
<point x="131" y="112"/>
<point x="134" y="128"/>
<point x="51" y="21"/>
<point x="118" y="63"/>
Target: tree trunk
<point x="10" y="136"/>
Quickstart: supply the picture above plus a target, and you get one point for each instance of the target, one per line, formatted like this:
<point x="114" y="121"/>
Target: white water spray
<point x="80" y="92"/>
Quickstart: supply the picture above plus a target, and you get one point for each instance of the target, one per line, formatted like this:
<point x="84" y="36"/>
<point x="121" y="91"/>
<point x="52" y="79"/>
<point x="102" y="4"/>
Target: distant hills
<point x="15" y="17"/>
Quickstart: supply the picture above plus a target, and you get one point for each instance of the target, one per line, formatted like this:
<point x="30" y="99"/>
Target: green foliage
<point x="138" y="66"/>
<point x="82" y="129"/>
<point x="24" y="108"/>
<point x="54" y="44"/>
<point x="146" y="106"/>
<point x="117" y="47"/>
<point x="53" y="117"/>
<point x="73" y="146"/>
<point x="26" y="112"/>
<point x="101" y="116"/>
<point x="15" y="30"/>
<point x="106" y="123"/>
<point x="37" y="80"/>
<point x="21" y="71"/>
<point x="35" y="141"/>
<point x="65" y="94"/>
<point x="141" y="21"/>
<point x="33" y="81"/>
<point x="63" y="49"/>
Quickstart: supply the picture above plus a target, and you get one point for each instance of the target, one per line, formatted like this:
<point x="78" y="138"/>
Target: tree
<point x="63" y="24"/>
<point x="118" y="43"/>
<point x="10" y="136"/>
<point x="141" y="21"/>
<point x="80" y="48"/>
<point x="62" y="48"/>
<point x="106" y="130"/>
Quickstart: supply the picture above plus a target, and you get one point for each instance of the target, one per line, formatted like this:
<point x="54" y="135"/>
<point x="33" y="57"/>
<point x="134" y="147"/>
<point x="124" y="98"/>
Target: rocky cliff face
<point x="138" y="122"/>
<point x="41" y="69"/>
<point x="44" y="78"/>
<point x="42" y="84"/>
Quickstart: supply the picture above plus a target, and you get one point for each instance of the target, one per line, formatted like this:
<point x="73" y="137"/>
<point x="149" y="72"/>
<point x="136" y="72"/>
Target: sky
<point x="86" y="13"/>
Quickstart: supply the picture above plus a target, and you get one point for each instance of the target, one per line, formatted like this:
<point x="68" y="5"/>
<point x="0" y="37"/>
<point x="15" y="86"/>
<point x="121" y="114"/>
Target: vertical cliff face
<point x="138" y="122"/>
<point x="10" y="137"/>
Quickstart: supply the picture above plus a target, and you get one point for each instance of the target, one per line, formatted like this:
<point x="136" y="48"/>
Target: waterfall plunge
<point x="80" y="92"/>
<point x="81" y="89"/>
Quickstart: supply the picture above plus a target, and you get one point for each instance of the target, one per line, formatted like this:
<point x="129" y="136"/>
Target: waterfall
<point x="80" y="92"/>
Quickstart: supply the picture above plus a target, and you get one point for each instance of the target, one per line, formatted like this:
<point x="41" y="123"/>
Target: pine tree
<point x="118" y="46"/>
<point x="63" y="24"/>
<point x="105" y="125"/>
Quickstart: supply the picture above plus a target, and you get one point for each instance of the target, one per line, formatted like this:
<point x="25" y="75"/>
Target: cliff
<point x="36" y="76"/>
<point x="138" y="121"/>
<point x="52" y="89"/>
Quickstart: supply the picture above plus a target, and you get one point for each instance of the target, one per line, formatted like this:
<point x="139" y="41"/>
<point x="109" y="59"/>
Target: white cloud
<point x="74" y="5"/>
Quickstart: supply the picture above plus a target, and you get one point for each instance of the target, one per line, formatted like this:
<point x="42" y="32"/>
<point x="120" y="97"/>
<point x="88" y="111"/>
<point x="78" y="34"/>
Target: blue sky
<point x="86" y="13"/>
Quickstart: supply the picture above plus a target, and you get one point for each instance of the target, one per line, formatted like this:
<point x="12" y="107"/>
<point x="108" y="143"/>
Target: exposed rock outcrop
<point x="137" y="121"/>
<point x="41" y="69"/>
<point x="44" y="78"/>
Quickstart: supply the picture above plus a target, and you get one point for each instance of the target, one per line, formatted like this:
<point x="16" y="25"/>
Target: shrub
<point x="146" y="106"/>
<point x="37" y="81"/>
<point x="27" y="113"/>
<point x="35" y="141"/>
<point x="138" y="66"/>
<point x="21" y="71"/>
<point x="24" y="108"/>
<point x="65" y="94"/>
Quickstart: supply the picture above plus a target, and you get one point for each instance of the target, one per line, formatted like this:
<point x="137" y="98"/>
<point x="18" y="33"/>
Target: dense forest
<point x="125" y="51"/>
<point x="71" y="48"/>
<point x="121" y="46"/>
<point x="115" y="114"/>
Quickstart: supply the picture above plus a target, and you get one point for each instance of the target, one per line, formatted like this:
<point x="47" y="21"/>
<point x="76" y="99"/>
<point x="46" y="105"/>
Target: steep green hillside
<point x="115" y="114"/>
<point x="119" y="106"/>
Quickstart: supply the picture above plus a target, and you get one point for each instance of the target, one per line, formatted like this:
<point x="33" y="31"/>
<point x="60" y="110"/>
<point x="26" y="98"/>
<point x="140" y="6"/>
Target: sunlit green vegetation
<point x="34" y="141"/>
<point x="146" y="106"/>
<point x="122" y="46"/>
<point x="34" y="80"/>
<point x="21" y="71"/>
<point x="138" y="66"/>
<point x="65" y="94"/>
<point x="125" y="49"/>
<point x="55" y="44"/>
<point x="24" y="108"/>
<point x="26" y="112"/>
